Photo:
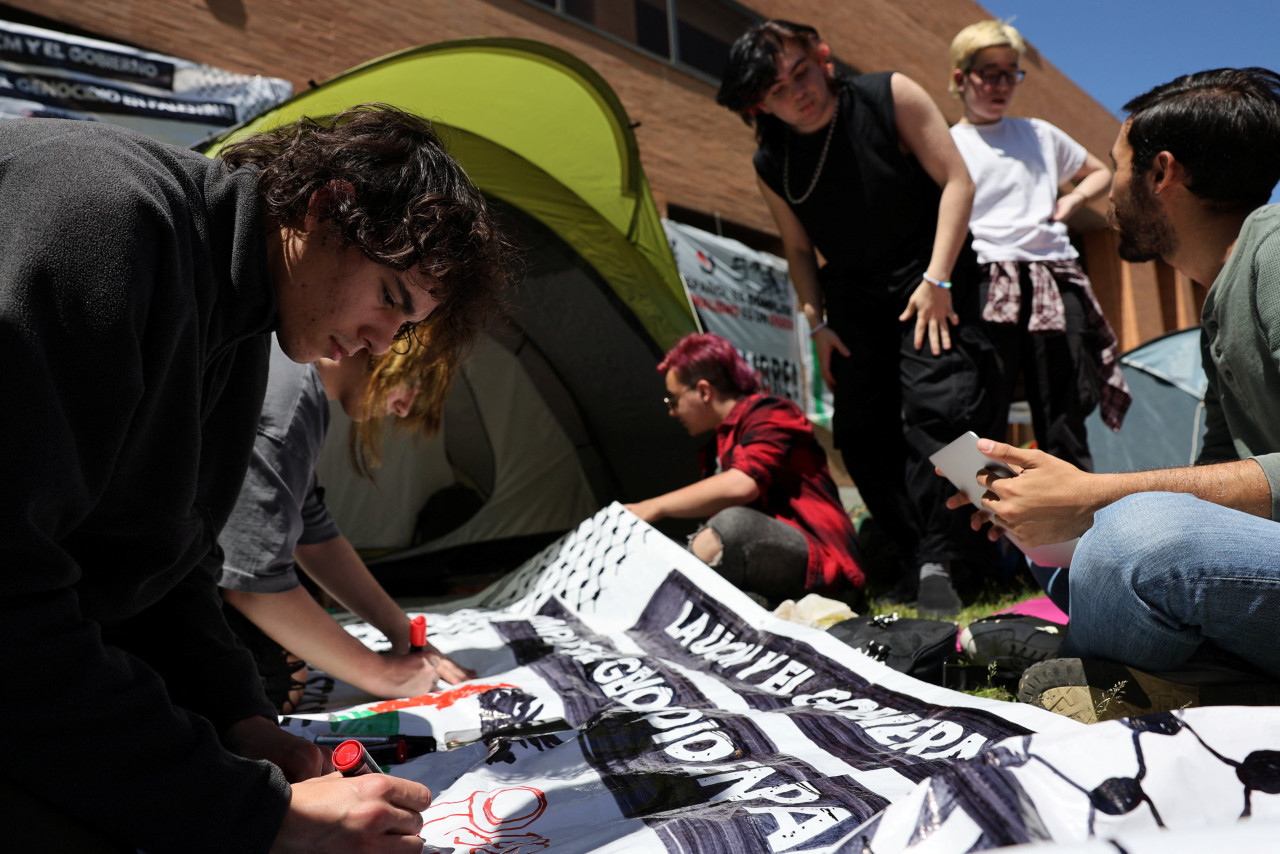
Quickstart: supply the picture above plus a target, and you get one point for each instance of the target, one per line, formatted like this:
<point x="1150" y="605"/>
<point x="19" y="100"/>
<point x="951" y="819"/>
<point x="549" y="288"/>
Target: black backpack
<point x="917" y="648"/>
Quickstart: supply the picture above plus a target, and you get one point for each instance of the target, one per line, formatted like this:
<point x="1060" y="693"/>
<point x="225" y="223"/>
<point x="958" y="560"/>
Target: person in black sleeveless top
<point x="863" y="170"/>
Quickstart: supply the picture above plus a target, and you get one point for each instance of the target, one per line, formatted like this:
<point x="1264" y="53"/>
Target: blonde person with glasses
<point x="1039" y="309"/>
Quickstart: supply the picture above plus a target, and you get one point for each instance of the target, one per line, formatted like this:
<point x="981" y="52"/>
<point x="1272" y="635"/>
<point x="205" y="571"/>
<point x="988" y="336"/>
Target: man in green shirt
<point x="1178" y="565"/>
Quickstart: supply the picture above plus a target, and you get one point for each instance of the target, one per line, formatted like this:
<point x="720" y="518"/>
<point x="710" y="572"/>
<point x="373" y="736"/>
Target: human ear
<point x="1165" y="170"/>
<point x="822" y="53"/>
<point x="324" y="199"/>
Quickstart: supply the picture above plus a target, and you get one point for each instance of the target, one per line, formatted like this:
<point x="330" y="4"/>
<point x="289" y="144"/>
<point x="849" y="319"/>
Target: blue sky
<point x="1118" y="49"/>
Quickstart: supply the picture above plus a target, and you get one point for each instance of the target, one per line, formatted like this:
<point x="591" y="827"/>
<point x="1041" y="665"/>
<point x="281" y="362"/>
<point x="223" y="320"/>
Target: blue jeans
<point x="1054" y="582"/>
<point x="1160" y="574"/>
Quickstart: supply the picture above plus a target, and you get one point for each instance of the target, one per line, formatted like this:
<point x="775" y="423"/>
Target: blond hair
<point x="979" y="36"/>
<point x="426" y="360"/>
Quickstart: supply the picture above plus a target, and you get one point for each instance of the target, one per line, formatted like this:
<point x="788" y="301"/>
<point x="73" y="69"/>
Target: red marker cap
<point x="352" y="759"/>
<point x="418" y="633"/>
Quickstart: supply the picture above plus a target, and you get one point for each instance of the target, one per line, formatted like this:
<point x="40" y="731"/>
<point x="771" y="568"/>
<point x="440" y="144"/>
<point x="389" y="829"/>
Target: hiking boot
<point x="937" y="599"/>
<point x="1092" y="690"/>
<point x="1013" y="642"/>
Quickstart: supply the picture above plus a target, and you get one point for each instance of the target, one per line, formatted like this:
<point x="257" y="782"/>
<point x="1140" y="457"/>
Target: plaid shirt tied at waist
<point x="1048" y="317"/>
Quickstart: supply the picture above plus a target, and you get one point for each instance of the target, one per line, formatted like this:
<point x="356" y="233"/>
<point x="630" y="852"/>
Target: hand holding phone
<point x="961" y="462"/>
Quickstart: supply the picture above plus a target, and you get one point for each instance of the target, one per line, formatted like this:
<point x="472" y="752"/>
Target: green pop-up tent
<point x="559" y="410"/>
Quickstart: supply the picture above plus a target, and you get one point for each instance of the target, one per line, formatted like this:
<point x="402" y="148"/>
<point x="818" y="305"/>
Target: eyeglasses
<point x="673" y="402"/>
<point x="992" y="77"/>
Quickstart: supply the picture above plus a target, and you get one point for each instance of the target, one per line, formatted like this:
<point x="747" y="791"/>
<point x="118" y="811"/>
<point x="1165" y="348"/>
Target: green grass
<point x="992" y="693"/>
<point x="988" y="601"/>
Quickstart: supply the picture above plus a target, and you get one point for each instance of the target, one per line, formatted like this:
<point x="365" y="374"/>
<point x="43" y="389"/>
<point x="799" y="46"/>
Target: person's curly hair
<point x="397" y="195"/>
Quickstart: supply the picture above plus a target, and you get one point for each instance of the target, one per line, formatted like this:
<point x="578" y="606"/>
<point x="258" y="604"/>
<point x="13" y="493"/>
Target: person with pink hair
<point x="775" y="525"/>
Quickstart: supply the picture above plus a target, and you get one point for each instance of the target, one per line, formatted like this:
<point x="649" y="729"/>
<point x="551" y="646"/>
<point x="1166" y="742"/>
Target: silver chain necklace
<point x="822" y="161"/>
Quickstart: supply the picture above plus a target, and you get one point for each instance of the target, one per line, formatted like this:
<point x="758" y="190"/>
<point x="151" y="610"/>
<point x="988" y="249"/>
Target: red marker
<point x="385" y="749"/>
<point x="418" y="634"/>
<point x="352" y="759"/>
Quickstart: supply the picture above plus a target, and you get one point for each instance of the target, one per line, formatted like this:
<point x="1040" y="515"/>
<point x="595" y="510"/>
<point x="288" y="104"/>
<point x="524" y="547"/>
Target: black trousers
<point x="894" y="406"/>
<point x="760" y="554"/>
<point x="1059" y="372"/>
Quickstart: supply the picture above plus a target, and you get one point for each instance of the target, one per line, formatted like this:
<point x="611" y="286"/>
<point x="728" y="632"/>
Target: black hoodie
<point x="135" y="307"/>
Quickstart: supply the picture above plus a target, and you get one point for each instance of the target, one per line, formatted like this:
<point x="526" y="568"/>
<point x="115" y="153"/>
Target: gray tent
<point x="1165" y="425"/>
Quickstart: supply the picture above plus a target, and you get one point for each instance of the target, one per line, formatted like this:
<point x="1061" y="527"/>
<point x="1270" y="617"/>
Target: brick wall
<point x="697" y="155"/>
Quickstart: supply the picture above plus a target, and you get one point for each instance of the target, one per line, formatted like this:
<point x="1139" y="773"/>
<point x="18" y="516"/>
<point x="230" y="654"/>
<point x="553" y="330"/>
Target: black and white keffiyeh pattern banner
<point x="697" y="722"/>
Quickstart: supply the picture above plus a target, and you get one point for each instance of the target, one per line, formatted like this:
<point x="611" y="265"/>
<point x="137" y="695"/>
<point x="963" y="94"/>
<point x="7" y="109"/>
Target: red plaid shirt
<point x="769" y="439"/>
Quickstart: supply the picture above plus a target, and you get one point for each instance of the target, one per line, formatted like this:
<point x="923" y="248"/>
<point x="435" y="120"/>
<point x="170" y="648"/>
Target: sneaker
<point x="937" y="599"/>
<point x="903" y="593"/>
<point x="1092" y="690"/>
<point x="1011" y="641"/>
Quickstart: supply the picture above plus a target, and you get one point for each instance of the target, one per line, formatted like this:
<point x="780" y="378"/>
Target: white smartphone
<point x="961" y="462"/>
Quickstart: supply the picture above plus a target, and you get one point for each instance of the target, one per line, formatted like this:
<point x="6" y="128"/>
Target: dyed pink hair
<point x="704" y="356"/>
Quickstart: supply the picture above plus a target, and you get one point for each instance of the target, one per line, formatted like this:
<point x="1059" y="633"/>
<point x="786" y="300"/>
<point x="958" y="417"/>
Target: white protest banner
<point x="691" y="718"/>
<point x="1154" y="783"/>
<point x="673" y="714"/>
<point x="745" y="295"/>
<point x="48" y="73"/>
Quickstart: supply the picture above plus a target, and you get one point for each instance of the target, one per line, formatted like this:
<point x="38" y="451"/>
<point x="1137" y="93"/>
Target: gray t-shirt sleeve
<point x="280" y="503"/>
<point x="317" y="524"/>
<point x="265" y="525"/>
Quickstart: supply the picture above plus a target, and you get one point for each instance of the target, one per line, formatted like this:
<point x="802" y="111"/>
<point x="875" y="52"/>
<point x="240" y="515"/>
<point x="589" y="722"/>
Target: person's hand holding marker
<point x="444" y="667"/>
<point x="371" y="812"/>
